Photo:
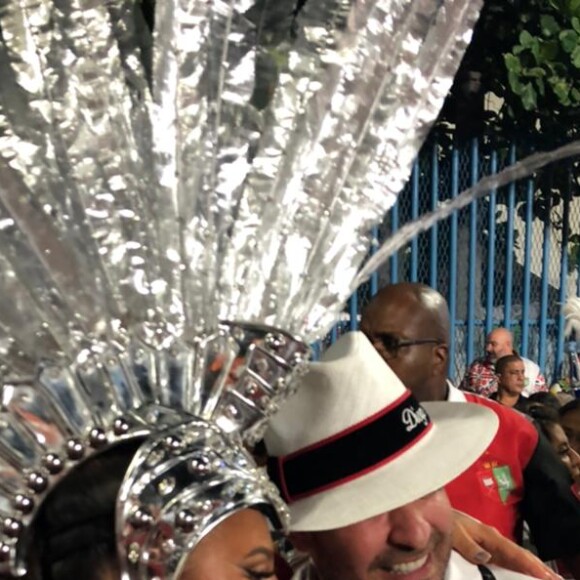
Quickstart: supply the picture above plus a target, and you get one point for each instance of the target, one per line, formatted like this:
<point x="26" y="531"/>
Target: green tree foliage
<point x="524" y="59"/>
<point x="527" y="54"/>
<point x="544" y="66"/>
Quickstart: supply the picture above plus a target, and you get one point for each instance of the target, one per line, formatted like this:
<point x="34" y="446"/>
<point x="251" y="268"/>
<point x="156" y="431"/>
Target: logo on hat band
<point x="356" y="451"/>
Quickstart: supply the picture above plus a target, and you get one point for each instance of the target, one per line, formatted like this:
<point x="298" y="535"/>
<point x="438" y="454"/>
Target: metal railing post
<point x="474" y="175"/>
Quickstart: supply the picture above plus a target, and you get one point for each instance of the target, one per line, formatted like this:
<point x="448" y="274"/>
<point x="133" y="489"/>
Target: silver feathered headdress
<point x="175" y="230"/>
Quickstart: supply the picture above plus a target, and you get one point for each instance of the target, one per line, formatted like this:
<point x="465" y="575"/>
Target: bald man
<point x="519" y="476"/>
<point x="481" y="377"/>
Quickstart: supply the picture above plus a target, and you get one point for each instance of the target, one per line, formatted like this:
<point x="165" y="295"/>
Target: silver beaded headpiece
<point x="181" y="214"/>
<point x="182" y="483"/>
<point x="190" y="472"/>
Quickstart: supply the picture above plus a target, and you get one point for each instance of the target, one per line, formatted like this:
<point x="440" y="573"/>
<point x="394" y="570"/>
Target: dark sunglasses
<point x="392" y="343"/>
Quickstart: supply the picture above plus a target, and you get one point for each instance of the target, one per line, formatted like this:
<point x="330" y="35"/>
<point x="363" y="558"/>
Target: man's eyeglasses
<point x="392" y="343"/>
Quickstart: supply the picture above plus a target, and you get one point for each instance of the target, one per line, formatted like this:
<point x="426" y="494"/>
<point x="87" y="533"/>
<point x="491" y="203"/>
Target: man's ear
<point x="441" y="357"/>
<point x="300" y="540"/>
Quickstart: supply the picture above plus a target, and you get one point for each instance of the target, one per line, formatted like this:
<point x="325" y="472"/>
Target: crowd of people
<point x="529" y="472"/>
<point x="368" y="500"/>
<point x="481" y="376"/>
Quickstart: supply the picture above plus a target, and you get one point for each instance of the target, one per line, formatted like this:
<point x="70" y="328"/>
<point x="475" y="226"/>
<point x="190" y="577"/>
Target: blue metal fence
<point x="497" y="262"/>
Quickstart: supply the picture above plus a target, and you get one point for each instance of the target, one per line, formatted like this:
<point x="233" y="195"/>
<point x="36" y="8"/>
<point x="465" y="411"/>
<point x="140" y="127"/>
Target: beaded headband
<point x="182" y="484"/>
<point x="191" y="470"/>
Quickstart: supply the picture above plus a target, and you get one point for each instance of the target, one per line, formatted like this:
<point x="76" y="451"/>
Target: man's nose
<point x="409" y="530"/>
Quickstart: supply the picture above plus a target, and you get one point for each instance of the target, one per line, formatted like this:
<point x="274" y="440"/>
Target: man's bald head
<point x="499" y="343"/>
<point x="420" y="301"/>
<point x="414" y="313"/>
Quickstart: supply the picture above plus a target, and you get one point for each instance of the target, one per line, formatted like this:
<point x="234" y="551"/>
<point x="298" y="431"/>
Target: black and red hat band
<point x="351" y="453"/>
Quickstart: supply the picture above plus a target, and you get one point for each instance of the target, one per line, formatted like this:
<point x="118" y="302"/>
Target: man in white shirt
<point x="362" y="466"/>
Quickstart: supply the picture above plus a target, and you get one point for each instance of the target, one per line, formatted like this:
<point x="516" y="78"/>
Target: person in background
<point x="519" y="476"/>
<point x="544" y="400"/>
<point x="510" y="372"/>
<point x="570" y="420"/>
<point x="549" y="422"/>
<point x="481" y="375"/>
<point x="547" y="419"/>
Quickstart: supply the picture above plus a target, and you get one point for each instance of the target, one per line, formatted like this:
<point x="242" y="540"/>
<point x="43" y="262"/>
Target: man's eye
<point x="388" y="341"/>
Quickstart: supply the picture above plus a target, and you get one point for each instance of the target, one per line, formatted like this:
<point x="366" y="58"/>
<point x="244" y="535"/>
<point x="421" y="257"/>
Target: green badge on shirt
<point x="504" y="480"/>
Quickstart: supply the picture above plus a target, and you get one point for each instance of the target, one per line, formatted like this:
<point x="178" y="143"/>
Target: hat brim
<point x="460" y="434"/>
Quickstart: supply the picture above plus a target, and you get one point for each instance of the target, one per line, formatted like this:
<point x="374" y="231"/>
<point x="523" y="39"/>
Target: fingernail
<point x="482" y="557"/>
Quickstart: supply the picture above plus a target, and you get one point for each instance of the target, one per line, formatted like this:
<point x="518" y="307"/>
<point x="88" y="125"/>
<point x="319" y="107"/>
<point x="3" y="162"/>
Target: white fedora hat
<point x="353" y="443"/>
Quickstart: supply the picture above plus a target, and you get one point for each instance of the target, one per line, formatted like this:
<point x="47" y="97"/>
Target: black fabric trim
<point x="357" y="450"/>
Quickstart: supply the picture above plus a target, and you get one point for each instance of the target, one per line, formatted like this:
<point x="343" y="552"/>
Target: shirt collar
<point x="454" y="395"/>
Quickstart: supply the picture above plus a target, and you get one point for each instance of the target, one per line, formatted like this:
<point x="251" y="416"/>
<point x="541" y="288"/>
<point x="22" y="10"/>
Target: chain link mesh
<point x="504" y="290"/>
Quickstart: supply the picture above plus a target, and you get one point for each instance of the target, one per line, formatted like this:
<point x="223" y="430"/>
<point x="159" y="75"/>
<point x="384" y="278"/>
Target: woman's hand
<point x="481" y="544"/>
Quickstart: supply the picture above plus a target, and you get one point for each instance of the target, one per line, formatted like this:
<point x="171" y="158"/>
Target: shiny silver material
<point x="53" y="463"/>
<point x="68" y="421"/>
<point x="173" y="445"/>
<point x="23" y="503"/>
<point x="75" y="449"/>
<point x="185" y="521"/>
<point x="97" y="438"/>
<point x="174" y="232"/>
<point x="140" y="519"/>
<point x="12" y="527"/>
<point x="199" y="466"/>
<point x="157" y="518"/>
<point x="234" y="189"/>
<point x="37" y="482"/>
<point x="120" y="427"/>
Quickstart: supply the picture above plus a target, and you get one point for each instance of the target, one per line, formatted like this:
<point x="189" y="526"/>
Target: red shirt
<point x="491" y="489"/>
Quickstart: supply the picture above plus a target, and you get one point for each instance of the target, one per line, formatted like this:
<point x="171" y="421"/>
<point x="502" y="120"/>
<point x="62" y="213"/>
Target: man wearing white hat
<point x="362" y="466"/>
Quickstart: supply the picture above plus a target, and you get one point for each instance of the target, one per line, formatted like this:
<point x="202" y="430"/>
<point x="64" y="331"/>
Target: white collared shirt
<point x="454" y="395"/>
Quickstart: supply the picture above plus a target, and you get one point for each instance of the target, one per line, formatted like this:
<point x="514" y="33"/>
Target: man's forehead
<point x="393" y="298"/>
<point x="389" y="315"/>
<point x="498" y="335"/>
<point x="515" y="365"/>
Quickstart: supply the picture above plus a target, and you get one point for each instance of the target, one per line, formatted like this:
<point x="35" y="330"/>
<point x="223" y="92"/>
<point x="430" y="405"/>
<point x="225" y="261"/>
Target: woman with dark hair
<point x="570" y="419"/>
<point x="74" y="533"/>
<point x="116" y="515"/>
<point x="547" y="420"/>
<point x="544" y="399"/>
